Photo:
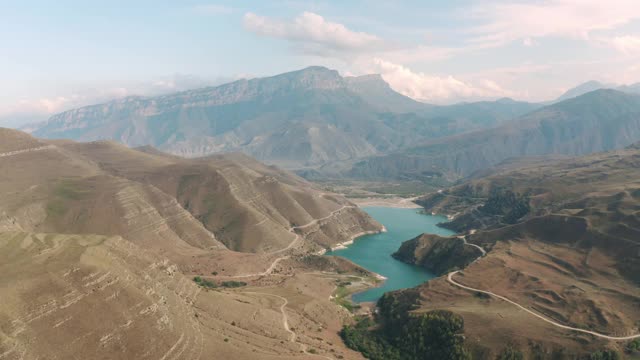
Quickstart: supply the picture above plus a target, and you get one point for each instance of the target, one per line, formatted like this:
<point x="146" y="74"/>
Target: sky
<point x="57" y="55"/>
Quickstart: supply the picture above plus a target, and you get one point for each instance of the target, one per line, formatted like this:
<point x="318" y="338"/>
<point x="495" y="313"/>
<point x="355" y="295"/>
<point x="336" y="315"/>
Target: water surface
<point x="373" y="252"/>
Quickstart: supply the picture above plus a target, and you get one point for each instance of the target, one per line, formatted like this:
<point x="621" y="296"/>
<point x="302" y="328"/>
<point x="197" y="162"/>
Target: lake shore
<point x="392" y="202"/>
<point x="373" y="252"/>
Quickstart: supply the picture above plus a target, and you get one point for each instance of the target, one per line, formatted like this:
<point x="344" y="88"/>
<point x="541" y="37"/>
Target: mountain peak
<point x="582" y="89"/>
<point x="506" y="100"/>
<point x="367" y="80"/>
<point x="312" y="77"/>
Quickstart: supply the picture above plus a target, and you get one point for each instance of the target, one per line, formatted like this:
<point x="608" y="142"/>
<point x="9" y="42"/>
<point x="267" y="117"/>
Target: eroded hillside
<point x="112" y="252"/>
<point x="571" y="258"/>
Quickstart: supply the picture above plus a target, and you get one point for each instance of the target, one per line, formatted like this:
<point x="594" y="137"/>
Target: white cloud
<point x="434" y="89"/>
<point x="366" y="53"/>
<point x="313" y="33"/>
<point x="506" y="22"/>
<point x="626" y="44"/>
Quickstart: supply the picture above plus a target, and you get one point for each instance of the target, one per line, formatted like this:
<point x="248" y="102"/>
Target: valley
<point x="306" y="180"/>
<point x="527" y="241"/>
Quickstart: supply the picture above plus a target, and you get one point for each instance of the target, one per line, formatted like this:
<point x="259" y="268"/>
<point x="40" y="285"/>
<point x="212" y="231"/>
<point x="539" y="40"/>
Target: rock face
<point x="437" y="254"/>
<point x="598" y="121"/>
<point x="299" y="119"/>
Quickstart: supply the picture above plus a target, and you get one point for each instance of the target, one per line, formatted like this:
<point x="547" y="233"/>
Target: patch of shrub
<point x="233" y="284"/>
<point x="510" y="353"/>
<point x="204" y="283"/>
<point x="605" y="355"/>
<point x="397" y="334"/>
<point x="633" y="346"/>
<point x="511" y="206"/>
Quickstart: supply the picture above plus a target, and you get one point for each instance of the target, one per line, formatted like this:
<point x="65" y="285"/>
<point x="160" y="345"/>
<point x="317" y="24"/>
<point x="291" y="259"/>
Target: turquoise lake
<point x="373" y="252"/>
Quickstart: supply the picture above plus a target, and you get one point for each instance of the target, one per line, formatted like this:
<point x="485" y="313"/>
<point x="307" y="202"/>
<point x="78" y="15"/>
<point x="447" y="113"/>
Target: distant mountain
<point x="593" y="85"/>
<point x="633" y="88"/>
<point x="299" y="119"/>
<point x="584" y="88"/>
<point x="597" y="121"/>
<point x="377" y="92"/>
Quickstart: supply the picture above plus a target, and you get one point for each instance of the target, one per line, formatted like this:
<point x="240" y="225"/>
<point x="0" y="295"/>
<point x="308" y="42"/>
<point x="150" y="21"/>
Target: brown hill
<point x="89" y="297"/>
<point x="167" y="202"/>
<point x="100" y="244"/>
<point x="572" y="255"/>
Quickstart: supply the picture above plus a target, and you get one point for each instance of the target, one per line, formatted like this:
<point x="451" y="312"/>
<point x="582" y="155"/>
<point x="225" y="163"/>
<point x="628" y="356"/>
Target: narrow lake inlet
<point x="373" y="252"/>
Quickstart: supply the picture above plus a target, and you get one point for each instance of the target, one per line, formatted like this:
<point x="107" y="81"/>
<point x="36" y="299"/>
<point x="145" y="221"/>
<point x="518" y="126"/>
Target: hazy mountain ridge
<point x="597" y="121"/>
<point x="302" y="118"/>
<point x="593" y="85"/>
<point x="163" y="201"/>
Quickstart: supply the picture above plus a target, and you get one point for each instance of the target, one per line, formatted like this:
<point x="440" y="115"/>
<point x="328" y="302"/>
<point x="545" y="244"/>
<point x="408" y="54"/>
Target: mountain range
<point x="326" y="126"/>
<point x="143" y="227"/>
<point x="597" y="121"/>
<point x="299" y="119"/>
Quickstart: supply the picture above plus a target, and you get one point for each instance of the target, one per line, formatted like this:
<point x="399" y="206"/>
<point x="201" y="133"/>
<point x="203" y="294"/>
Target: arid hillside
<point x="115" y="253"/>
<point x="561" y="240"/>
<point x="165" y="202"/>
<point x="90" y="297"/>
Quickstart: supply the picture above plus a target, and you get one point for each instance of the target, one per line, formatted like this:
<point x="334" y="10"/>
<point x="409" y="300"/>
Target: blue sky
<point x="56" y="55"/>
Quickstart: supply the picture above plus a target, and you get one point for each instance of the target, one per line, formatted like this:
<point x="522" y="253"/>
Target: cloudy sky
<point x="56" y="55"/>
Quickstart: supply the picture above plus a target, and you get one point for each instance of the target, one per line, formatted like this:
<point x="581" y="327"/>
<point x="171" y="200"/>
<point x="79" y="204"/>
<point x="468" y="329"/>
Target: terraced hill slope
<point x="100" y="245"/>
<point x="105" y="188"/>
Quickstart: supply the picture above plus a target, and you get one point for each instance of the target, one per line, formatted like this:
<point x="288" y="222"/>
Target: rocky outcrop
<point x="437" y="254"/>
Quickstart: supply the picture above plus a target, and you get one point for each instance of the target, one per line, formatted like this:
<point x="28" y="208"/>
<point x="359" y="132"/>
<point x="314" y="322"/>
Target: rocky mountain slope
<point x="598" y="121"/>
<point x="101" y="246"/>
<point x="224" y="201"/>
<point x="437" y="254"/>
<point x="571" y="255"/>
<point x="298" y="119"/>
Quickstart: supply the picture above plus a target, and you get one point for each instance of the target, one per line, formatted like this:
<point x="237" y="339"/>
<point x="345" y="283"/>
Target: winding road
<point x="291" y="245"/>
<point x="23" y="151"/>
<point x="455" y="283"/>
